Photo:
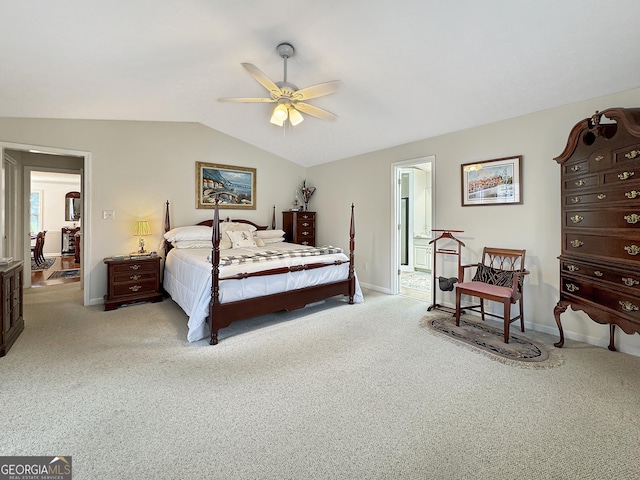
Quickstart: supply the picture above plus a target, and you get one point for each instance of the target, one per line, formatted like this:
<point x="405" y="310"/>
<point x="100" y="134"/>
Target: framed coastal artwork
<point x="492" y="182"/>
<point x="235" y="187"/>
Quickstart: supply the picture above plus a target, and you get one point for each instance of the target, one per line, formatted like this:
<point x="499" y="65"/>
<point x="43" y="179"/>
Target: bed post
<point x="352" y="248"/>
<point x="167" y="227"/>
<point x="215" y="270"/>
<point x="273" y="219"/>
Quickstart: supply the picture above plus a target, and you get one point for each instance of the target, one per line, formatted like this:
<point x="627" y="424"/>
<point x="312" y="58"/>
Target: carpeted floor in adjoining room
<point x="331" y="392"/>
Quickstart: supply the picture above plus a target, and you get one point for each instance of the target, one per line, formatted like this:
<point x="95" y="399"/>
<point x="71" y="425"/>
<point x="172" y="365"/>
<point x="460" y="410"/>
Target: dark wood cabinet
<point x="69" y="239"/>
<point x="299" y="227"/>
<point x="12" y="321"/>
<point x="600" y="212"/>
<point x="132" y="280"/>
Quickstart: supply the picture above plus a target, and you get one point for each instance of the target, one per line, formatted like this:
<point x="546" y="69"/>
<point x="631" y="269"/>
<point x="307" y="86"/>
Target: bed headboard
<point x="209" y="223"/>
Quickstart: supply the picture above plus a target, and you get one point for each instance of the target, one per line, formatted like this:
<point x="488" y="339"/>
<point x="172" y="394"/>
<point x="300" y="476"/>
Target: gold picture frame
<point x="492" y="182"/>
<point x="234" y="187"/>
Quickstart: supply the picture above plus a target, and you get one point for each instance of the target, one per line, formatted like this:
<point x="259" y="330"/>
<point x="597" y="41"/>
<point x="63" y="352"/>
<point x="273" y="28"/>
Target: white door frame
<point x="86" y="207"/>
<point x="395" y="220"/>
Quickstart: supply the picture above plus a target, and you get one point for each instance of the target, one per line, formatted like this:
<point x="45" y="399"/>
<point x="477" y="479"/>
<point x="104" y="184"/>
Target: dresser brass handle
<point x="576" y="199"/>
<point x="135" y="288"/>
<point x="625" y="175"/>
<point x="576" y="168"/>
<point x="306" y="233"/>
<point x="576" y="243"/>
<point x="134" y="277"/>
<point x="572" y="268"/>
<point x="580" y="183"/>
<point x="305" y="224"/>
<point x="134" y="267"/>
<point x="602" y="196"/>
<point x="632" y="154"/>
<point x="576" y="218"/>
<point x="572" y="288"/>
<point x="632" y="194"/>
<point x="633" y="218"/>
<point x="632" y="249"/>
<point x="627" y="306"/>
<point x="598" y="158"/>
<point x="598" y="273"/>
<point x="629" y="282"/>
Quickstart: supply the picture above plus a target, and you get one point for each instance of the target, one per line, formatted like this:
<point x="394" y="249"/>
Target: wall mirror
<point x="72" y="206"/>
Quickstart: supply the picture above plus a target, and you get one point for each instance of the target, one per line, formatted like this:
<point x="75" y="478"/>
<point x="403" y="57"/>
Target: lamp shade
<point x="142" y="228"/>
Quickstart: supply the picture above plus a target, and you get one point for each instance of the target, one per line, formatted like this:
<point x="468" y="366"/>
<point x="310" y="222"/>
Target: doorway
<point x="412" y="256"/>
<point x="30" y="158"/>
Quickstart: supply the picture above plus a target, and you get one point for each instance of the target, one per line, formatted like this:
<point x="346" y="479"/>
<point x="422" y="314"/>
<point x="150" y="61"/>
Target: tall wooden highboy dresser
<point x="600" y="198"/>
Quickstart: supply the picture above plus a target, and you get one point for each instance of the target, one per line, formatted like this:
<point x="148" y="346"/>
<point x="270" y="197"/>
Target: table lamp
<point x="141" y="229"/>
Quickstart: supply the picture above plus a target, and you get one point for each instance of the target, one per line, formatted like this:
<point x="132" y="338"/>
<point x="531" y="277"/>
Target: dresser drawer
<point x="628" y="154"/>
<point x="580" y="183"/>
<point x="625" y="249"/>
<point x="620" y="277"/>
<point x="618" y="302"/>
<point x="603" y="218"/>
<point x="603" y="197"/>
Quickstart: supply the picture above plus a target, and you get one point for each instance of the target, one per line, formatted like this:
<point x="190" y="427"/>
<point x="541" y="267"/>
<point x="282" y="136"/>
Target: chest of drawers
<point x="11" y="315"/>
<point x="600" y="212"/>
<point x="131" y="281"/>
<point x="300" y="227"/>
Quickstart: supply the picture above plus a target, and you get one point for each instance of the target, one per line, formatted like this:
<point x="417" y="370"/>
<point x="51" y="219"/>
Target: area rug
<point x="75" y="272"/>
<point x="43" y="266"/>
<point x="416" y="280"/>
<point x="480" y="337"/>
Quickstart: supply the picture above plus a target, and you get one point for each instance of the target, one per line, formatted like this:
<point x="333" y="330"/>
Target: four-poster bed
<point x="217" y="286"/>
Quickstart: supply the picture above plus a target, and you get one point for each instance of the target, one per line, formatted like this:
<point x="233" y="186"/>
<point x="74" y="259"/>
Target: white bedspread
<point x="187" y="278"/>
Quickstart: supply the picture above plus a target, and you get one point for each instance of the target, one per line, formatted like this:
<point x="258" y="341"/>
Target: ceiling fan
<point x="290" y="101"/>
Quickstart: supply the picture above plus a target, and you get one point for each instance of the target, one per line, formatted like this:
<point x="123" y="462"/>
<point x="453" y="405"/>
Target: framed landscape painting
<point x="235" y="187"/>
<point x="492" y="182"/>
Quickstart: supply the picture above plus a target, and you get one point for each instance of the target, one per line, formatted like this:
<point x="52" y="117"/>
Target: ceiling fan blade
<point x="247" y="100"/>
<point x="314" y="111"/>
<point x="263" y="80"/>
<point x="317" y="90"/>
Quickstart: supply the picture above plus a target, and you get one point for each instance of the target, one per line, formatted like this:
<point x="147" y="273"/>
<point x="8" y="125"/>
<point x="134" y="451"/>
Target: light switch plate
<point x="108" y="214"/>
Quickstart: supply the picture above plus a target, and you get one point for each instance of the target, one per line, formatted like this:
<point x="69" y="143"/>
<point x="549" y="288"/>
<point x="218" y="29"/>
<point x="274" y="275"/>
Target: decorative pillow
<point x="259" y="242"/>
<point x="193" y="232"/>
<point x="496" y="276"/>
<point x="193" y="244"/>
<point x="269" y="233"/>
<point x="241" y="239"/>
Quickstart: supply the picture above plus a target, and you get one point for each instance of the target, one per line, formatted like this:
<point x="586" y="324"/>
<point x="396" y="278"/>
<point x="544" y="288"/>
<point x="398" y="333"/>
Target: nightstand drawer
<point x="135" y="288"/>
<point x="134" y="276"/>
<point x="134" y="266"/>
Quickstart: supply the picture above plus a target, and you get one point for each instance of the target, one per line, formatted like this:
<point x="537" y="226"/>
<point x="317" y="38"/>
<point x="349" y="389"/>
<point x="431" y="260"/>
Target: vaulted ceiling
<point x="410" y="69"/>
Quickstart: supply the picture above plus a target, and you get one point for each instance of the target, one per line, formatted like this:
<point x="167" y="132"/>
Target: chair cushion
<point x="496" y="276"/>
<point x="484" y="288"/>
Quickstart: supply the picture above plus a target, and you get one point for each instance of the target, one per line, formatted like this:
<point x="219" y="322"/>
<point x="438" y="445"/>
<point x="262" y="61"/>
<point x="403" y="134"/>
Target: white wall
<point x="137" y="166"/>
<point x="534" y="225"/>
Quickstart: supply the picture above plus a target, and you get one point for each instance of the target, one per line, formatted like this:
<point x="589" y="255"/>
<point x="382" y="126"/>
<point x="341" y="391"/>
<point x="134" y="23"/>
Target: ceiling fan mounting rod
<point x="285" y="50"/>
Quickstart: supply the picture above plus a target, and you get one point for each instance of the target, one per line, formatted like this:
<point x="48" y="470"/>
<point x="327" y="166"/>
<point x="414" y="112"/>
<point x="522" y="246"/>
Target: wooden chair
<point x="498" y="278"/>
<point x="38" y="248"/>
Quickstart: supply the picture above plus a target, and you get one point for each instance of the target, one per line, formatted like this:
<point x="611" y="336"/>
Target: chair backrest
<point x="38" y="248"/>
<point x="503" y="258"/>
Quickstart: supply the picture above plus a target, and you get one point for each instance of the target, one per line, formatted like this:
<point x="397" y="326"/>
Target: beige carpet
<point x="334" y="392"/>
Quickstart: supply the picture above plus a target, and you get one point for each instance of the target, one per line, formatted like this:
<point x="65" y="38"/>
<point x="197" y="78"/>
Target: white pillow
<point x="193" y="244"/>
<point x="267" y="241"/>
<point x="236" y="227"/>
<point x="241" y="239"/>
<point x="193" y="232"/>
<point x="269" y="233"/>
<point x="259" y="242"/>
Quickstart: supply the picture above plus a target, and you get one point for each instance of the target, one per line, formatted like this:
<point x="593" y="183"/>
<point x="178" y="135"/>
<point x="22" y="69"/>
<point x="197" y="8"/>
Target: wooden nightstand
<point x="299" y="227"/>
<point x="132" y="280"/>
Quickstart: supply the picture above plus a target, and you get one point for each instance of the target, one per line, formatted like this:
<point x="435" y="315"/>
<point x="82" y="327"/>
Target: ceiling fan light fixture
<point x="280" y="114"/>
<point x="295" y="117"/>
